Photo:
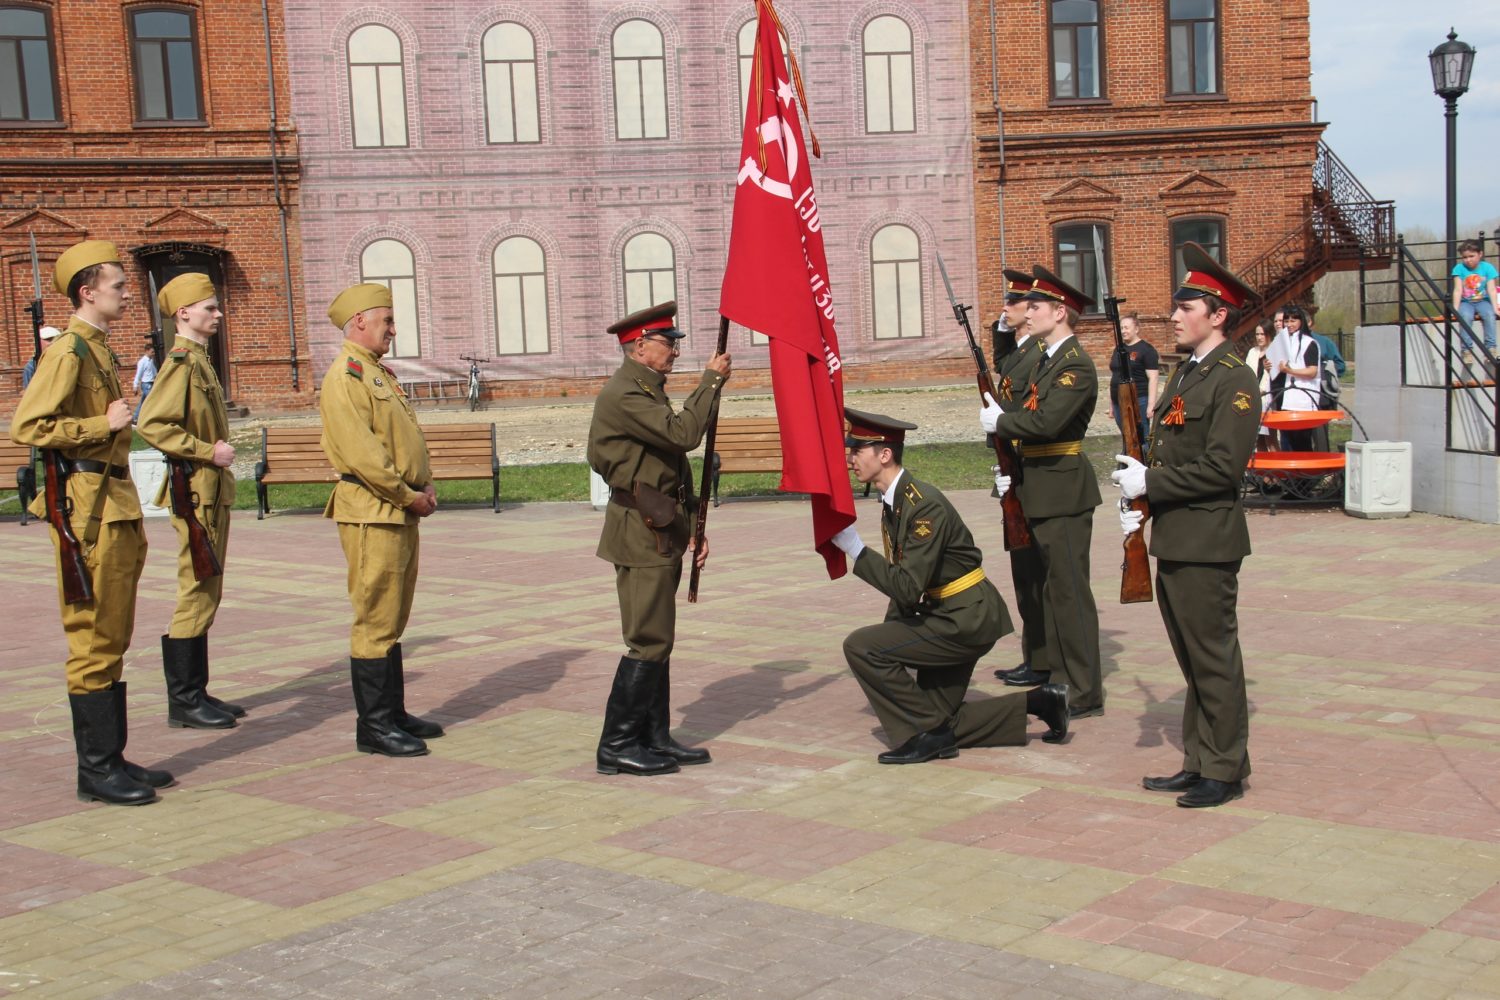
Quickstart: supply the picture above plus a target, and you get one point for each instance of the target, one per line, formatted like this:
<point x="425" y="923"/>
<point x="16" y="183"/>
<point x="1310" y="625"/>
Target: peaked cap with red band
<point x="861" y="428"/>
<point x="654" y="319"/>
<point x="1048" y="287"/>
<point x="1206" y="276"/>
<point x="1017" y="284"/>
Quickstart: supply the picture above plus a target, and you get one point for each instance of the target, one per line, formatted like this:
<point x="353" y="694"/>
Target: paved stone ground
<point x="1363" y="862"/>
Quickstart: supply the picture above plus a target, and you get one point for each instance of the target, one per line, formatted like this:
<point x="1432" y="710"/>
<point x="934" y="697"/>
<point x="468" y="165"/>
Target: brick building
<point x="523" y="175"/>
<point x="150" y="125"/>
<point x="1150" y="124"/>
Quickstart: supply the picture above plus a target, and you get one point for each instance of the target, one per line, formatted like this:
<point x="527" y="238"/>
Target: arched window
<point x="390" y="263"/>
<point x="1077" y="48"/>
<point x="747" y="63"/>
<point x="164" y="45"/>
<point x="28" y="85"/>
<point x="377" y="87"/>
<point x="640" y="70"/>
<point x="650" y="271"/>
<point x="510" y="95"/>
<point x="1207" y="232"/>
<point x="1078" y="259"/>
<point x="896" y="279"/>
<point x="890" y="88"/>
<point x="520" y="297"/>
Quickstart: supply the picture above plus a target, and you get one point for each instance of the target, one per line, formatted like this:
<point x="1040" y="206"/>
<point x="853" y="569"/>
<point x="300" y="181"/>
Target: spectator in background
<point x="1301" y="370"/>
<point x="48" y="334"/>
<point x="1255" y="360"/>
<point x="1329" y="349"/>
<point x="1144" y="365"/>
<point x="1474" y="294"/>
<point x="145" y="377"/>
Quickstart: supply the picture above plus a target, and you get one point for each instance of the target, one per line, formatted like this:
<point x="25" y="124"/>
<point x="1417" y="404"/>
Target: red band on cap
<point x="1201" y="282"/>
<point x="635" y="333"/>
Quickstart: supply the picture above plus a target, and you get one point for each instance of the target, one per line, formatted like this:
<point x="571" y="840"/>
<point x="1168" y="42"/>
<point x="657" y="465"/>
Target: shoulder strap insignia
<point x="353" y="366"/>
<point x="1072" y="352"/>
<point x="80" y="347"/>
<point x="912" y="493"/>
<point x="178" y="354"/>
<point x="645" y="388"/>
<point x="1231" y="361"/>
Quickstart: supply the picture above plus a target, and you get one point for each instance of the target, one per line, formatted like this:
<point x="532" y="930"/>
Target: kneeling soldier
<point x="184" y="417"/>
<point x="943" y="616"/>
<point x="371" y="437"/>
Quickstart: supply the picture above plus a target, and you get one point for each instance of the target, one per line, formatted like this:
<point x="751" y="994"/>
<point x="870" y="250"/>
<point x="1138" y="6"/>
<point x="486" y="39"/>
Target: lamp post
<point x="1451" y="62"/>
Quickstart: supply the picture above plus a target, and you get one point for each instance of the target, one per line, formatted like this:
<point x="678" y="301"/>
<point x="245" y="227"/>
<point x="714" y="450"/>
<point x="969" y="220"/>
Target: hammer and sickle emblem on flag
<point x="771" y="131"/>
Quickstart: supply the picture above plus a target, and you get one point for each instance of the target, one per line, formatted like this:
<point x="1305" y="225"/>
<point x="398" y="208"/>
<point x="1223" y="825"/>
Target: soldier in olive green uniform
<point x="942" y="617"/>
<point x="1202" y="435"/>
<point x="1057" y="488"/>
<point x="639" y="445"/>
<point x="74" y="405"/>
<point x="371" y="437"/>
<point x="1016" y="369"/>
<point x="184" y="417"/>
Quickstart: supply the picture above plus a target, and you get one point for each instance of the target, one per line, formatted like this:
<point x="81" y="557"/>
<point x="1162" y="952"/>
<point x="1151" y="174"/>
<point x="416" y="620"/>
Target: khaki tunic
<point x="1059" y="494"/>
<point x="1199" y="536"/>
<point x="64" y="408"/>
<point x="928" y="546"/>
<point x="637" y="437"/>
<point x="370" y="431"/>
<point x="182" y="418"/>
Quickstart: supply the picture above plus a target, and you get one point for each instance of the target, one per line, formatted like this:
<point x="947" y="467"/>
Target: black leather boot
<point x="420" y="728"/>
<point x="621" y="744"/>
<point x="375" y="700"/>
<point x="658" y="725"/>
<point x="201" y="652"/>
<point x="145" y="775"/>
<point x="1050" y="704"/>
<point x="101" y="769"/>
<point x="185" y="705"/>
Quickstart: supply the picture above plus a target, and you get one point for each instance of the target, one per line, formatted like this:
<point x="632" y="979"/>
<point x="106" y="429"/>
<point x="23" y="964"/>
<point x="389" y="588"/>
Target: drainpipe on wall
<point x="999" y="133"/>
<point x="286" y="250"/>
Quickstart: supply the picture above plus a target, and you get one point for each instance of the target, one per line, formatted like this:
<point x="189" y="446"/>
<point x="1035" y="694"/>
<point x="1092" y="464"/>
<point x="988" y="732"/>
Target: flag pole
<point x="701" y="527"/>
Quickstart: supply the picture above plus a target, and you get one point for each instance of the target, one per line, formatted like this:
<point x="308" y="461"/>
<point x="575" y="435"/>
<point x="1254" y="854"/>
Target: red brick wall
<point x="101" y="176"/>
<point x="1138" y="159"/>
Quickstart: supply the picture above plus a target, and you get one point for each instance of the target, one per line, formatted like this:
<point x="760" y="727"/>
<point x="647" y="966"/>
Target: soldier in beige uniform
<point x="371" y="437"/>
<point x="74" y="405"/>
<point x="639" y="445"/>
<point x="184" y="417"/>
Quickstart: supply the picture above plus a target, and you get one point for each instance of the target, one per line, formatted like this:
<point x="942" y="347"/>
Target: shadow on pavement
<point x="725" y="703"/>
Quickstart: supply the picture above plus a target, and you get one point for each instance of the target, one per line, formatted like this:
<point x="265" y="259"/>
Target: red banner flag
<point x="776" y="283"/>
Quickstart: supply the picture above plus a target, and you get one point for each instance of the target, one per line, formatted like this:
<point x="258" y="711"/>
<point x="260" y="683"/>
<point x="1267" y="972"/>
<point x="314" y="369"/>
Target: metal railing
<point x="1439" y="349"/>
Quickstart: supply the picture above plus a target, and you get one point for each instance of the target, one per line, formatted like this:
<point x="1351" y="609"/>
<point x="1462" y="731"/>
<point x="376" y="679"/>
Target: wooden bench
<point x="22" y="460"/>
<point x="746" y="444"/>
<point x="1296" y="476"/>
<point x="294" y="455"/>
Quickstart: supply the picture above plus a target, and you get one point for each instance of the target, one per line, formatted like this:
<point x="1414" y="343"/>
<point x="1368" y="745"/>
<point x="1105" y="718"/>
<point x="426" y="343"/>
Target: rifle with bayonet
<point x="1135" y="571"/>
<point x="35" y="309"/>
<point x="1016" y="533"/>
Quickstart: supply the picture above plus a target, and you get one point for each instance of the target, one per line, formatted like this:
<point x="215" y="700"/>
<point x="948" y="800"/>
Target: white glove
<point x="989" y="413"/>
<point x="1130" y="520"/>
<point x="1131" y="479"/>
<point x="849" y="542"/>
<point x="1002" y="483"/>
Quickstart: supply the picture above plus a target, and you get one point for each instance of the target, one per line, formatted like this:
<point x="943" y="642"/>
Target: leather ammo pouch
<point x="657" y="509"/>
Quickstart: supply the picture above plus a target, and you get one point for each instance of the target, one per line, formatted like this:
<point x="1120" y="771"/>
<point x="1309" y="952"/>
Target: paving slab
<point x="1363" y="861"/>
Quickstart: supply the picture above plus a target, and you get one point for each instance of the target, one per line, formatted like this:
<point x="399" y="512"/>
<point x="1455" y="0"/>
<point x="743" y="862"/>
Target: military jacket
<point x="1016" y="369"/>
<point x="636" y="436"/>
<point x="1197" y="466"/>
<point x="1053" y="407"/>
<point x="928" y="546"/>
<point x="184" y="416"/>
<point x="64" y="408"/>
<point x="371" y="431"/>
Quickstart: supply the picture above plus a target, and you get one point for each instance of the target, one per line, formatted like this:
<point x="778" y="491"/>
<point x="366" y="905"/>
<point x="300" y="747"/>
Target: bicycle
<point x="473" y="378"/>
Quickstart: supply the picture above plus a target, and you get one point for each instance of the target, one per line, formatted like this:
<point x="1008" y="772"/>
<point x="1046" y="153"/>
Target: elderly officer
<point x="74" y="405"/>
<point x="639" y="445"/>
<point x="371" y="437"/>
<point x="1057" y="488"/>
<point x="184" y="417"/>
<point x="943" y="615"/>
<point x="1202" y="436"/>
<point x="1016" y="369"/>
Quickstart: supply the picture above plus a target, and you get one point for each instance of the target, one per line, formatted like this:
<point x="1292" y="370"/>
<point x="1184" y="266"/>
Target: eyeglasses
<point x="670" y="343"/>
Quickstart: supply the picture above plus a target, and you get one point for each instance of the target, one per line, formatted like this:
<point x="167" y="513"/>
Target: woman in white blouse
<point x="1302" y="370"/>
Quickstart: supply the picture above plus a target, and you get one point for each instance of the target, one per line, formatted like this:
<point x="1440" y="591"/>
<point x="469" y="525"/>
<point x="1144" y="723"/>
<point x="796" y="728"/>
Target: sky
<point x="1374" y="89"/>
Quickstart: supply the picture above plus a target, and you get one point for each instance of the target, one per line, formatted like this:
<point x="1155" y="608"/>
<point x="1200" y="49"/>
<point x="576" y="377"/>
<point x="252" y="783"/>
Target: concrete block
<point x="1377" y="479"/>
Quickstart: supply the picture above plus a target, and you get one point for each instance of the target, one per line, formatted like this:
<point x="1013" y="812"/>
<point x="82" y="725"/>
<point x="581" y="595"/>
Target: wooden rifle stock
<point x="700" y="528"/>
<point x="77" y="583"/>
<point x="184" y="505"/>
<point x="1135" y="570"/>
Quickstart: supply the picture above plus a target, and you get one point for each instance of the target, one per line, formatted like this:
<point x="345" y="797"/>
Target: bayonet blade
<point x="36" y="269"/>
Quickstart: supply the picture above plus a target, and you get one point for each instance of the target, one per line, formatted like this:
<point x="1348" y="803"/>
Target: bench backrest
<point x="296" y="449"/>
<point x="450" y="446"/>
<point x="12" y="455"/>
<point x="461" y="445"/>
<point x="748" y="444"/>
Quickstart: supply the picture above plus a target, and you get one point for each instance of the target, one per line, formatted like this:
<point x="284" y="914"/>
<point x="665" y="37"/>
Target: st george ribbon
<point x="776" y="283"/>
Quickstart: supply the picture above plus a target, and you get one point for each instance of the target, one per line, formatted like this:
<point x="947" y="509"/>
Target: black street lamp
<point x="1451" y="62"/>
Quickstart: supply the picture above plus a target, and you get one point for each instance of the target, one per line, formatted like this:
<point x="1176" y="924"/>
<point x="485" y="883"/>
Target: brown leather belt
<point x="89" y="465"/>
<point x="622" y="496"/>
